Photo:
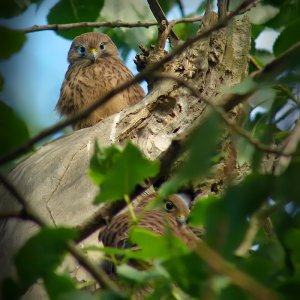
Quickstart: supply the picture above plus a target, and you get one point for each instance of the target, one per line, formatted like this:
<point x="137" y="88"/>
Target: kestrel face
<point x="88" y="47"/>
<point x="179" y="206"/>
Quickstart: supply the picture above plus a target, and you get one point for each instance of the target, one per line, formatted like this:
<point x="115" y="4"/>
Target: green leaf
<point x="57" y="285"/>
<point x="11" y="8"/>
<point x="14" y="41"/>
<point x="80" y="295"/>
<point x="287" y="38"/>
<point x="10" y="290"/>
<point x="233" y="292"/>
<point x="13" y="131"/>
<point x="241" y="201"/>
<point x="289" y="11"/>
<point x="198" y="213"/>
<point x="102" y="162"/>
<point x="127" y="39"/>
<point x="120" y="172"/>
<point x="188" y="272"/>
<point x="165" y="246"/>
<point x="74" y="11"/>
<point x="42" y="253"/>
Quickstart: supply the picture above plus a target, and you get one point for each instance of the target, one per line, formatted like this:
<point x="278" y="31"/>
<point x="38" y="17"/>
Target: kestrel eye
<point x="102" y="46"/>
<point x="81" y="50"/>
<point x="169" y="205"/>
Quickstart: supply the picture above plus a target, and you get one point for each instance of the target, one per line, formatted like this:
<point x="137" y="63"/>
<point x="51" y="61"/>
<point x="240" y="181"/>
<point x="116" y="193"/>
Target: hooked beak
<point x="94" y="53"/>
<point x="181" y="219"/>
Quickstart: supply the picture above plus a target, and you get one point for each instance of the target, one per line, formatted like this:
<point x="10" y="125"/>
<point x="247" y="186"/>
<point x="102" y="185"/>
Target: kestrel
<point x="95" y="69"/>
<point x="174" y="215"/>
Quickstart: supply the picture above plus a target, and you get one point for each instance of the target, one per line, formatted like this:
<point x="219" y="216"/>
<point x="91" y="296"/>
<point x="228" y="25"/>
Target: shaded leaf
<point x="288" y="37"/>
<point x="233" y="292"/>
<point x="13" y="130"/>
<point x="80" y="295"/>
<point x="11" y="8"/>
<point x="241" y="201"/>
<point x="74" y="11"/>
<point x="119" y="173"/>
<point x="10" y="290"/>
<point x="189" y="272"/>
<point x="198" y="213"/>
<point x="14" y="41"/>
<point x="57" y="285"/>
<point x="42" y="253"/>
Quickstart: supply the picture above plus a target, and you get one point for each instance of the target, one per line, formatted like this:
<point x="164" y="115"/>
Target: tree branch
<point x="114" y="24"/>
<point x="141" y="76"/>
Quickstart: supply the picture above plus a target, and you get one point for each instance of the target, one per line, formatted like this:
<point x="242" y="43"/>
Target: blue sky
<point x="34" y="75"/>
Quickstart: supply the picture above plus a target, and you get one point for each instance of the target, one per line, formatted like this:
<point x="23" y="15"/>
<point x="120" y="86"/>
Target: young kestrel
<point x="174" y="215"/>
<point x="95" y="69"/>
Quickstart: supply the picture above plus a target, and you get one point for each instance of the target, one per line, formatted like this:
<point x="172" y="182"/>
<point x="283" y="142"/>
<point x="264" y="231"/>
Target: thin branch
<point x="114" y="24"/>
<point x="161" y="17"/>
<point x="32" y="215"/>
<point x="12" y="215"/>
<point x="141" y="76"/>
<point x="97" y="273"/>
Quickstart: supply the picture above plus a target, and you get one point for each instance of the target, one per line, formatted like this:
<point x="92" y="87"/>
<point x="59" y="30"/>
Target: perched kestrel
<point x="95" y="69"/>
<point x="174" y="215"/>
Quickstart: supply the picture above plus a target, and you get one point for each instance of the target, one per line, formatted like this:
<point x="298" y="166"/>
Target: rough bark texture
<point x="54" y="179"/>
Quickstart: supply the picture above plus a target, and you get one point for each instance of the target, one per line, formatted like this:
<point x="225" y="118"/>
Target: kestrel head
<point x="88" y="47"/>
<point x="179" y="206"/>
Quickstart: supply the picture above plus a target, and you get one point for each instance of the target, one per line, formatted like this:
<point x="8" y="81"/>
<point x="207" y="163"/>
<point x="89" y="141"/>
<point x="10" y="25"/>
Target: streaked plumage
<point x="174" y="214"/>
<point x="95" y="69"/>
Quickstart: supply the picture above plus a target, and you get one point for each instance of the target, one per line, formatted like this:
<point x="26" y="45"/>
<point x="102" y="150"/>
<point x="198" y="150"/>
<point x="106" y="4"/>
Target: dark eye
<point x="169" y="205"/>
<point x="102" y="46"/>
<point x="81" y="49"/>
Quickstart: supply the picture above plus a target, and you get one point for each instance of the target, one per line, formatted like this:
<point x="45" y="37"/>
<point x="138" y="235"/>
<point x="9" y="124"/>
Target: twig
<point x="160" y="17"/>
<point x="119" y="23"/>
<point x="32" y="215"/>
<point x="141" y="76"/>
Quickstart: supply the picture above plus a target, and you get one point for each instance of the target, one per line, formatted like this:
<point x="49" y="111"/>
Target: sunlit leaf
<point x="13" y="130"/>
<point x="74" y="11"/>
<point x="120" y="172"/>
<point x="14" y="41"/>
<point x="127" y="39"/>
<point x="164" y="245"/>
<point x="42" y="253"/>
